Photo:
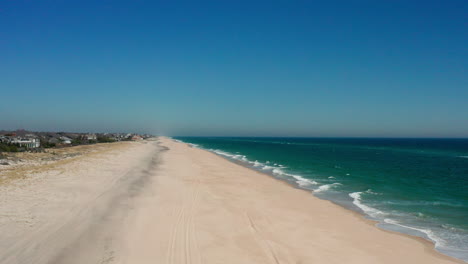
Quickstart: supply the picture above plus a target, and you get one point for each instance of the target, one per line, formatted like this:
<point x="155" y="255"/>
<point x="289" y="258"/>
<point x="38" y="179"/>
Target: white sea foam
<point x="257" y="164"/>
<point x="326" y="187"/>
<point x="367" y="209"/>
<point x="239" y="157"/>
<point x="244" y="159"/>
<point x="229" y="155"/>
<point x="439" y="242"/>
<point x="369" y="191"/>
<point x="301" y="181"/>
<point x="222" y="153"/>
<point x="278" y="171"/>
<point x="331" y="177"/>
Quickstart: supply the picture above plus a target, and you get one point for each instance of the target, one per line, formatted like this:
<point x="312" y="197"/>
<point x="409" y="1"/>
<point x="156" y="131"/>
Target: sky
<point x="236" y="68"/>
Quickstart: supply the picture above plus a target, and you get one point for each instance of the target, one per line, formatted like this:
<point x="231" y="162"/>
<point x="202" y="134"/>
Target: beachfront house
<point x="25" y="142"/>
<point x="66" y="140"/>
<point x="54" y="140"/>
<point x="90" y="137"/>
<point x="137" y="137"/>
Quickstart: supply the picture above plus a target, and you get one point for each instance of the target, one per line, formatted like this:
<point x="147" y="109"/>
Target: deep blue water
<point x="415" y="186"/>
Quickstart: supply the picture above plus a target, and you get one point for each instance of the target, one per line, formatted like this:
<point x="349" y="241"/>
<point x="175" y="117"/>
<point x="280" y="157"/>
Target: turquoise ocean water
<point x="414" y="186"/>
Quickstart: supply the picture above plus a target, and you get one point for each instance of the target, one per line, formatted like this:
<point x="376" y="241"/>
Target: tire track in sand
<point x="274" y="252"/>
<point x="175" y="230"/>
<point x="183" y="240"/>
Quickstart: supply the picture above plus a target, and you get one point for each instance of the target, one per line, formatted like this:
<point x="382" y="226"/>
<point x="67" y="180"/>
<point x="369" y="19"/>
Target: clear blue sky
<point x="246" y="68"/>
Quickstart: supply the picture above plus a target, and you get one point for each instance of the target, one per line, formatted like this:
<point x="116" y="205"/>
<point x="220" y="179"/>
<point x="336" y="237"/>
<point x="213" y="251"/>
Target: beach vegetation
<point x="46" y="144"/>
<point x="103" y="139"/>
<point x="77" y="141"/>
<point x="6" y="147"/>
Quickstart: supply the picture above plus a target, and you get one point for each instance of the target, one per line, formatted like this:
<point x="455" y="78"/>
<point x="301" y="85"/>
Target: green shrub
<point x="105" y="140"/>
<point x="8" y="147"/>
<point x="76" y="142"/>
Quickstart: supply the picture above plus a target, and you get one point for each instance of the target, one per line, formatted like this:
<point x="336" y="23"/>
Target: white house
<point x="91" y="136"/>
<point x="65" y="140"/>
<point x="26" y="142"/>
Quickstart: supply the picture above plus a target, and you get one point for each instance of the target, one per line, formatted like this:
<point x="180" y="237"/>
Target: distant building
<point x="54" y="141"/>
<point x="89" y="137"/>
<point x="65" y="140"/>
<point x="72" y="135"/>
<point x="137" y="137"/>
<point x="26" y="142"/>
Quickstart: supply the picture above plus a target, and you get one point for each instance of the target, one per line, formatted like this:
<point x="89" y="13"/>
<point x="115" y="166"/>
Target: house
<point x="137" y="137"/>
<point x="118" y="136"/>
<point x="65" y="140"/>
<point x="54" y="140"/>
<point x="26" y="142"/>
<point x="90" y="137"/>
<point x="72" y="135"/>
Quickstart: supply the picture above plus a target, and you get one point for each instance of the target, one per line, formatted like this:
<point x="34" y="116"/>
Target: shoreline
<point x="361" y="215"/>
<point x="165" y="202"/>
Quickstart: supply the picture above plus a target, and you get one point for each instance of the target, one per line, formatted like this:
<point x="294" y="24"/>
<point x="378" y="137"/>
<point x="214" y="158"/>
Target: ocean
<point x="414" y="186"/>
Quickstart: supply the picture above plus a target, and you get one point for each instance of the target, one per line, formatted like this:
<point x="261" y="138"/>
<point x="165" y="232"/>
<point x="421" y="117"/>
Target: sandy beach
<point x="166" y="202"/>
<point x="67" y="206"/>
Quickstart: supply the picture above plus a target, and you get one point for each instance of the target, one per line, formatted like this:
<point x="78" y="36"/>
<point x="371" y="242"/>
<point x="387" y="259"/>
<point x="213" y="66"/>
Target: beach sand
<point x="68" y="207"/>
<point x="170" y="203"/>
